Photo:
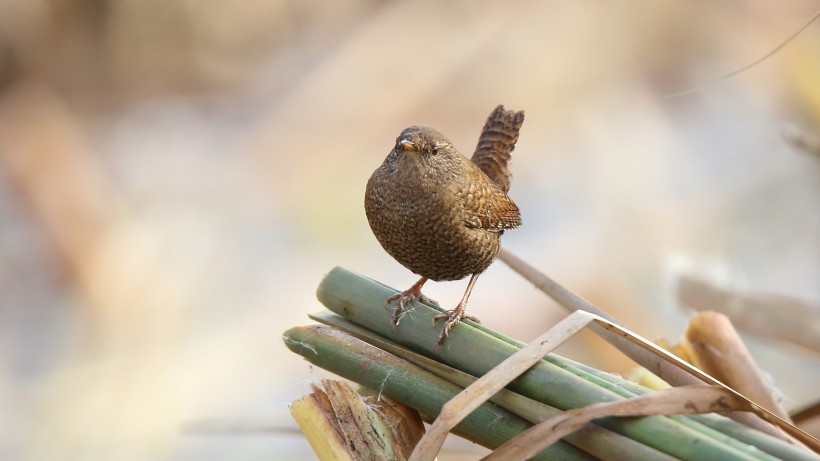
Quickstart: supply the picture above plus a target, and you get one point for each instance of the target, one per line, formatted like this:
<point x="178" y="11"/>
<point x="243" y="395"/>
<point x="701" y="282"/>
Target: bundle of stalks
<point x="404" y="364"/>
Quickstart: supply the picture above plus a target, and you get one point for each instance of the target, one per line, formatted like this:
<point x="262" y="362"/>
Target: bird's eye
<point x="434" y="150"/>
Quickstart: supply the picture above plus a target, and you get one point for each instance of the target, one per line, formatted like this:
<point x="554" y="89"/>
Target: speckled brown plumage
<point x="440" y="214"/>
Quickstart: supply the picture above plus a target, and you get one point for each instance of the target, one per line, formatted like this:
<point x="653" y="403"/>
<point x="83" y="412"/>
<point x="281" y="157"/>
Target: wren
<point x="440" y="214"/>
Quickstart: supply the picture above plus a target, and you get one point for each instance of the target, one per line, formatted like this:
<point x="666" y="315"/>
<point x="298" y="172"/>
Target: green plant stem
<point x="600" y="442"/>
<point x="362" y="301"/>
<point x="351" y="358"/>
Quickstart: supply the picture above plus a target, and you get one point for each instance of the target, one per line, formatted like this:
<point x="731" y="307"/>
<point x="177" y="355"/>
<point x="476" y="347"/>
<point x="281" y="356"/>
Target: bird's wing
<point x="497" y="141"/>
<point x="485" y="206"/>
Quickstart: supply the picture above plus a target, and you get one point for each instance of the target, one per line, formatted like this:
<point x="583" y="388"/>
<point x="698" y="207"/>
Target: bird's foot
<point x="402" y="299"/>
<point x="452" y="317"/>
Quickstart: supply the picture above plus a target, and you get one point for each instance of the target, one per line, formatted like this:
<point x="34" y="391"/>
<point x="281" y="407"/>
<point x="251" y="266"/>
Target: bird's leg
<point x="414" y="292"/>
<point x="455" y="315"/>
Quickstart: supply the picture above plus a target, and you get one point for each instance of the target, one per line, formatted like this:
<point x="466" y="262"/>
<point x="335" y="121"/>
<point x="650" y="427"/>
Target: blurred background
<point x="176" y="178"/>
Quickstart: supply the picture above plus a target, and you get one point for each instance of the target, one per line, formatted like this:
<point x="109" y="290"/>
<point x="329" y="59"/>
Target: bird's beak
<point x="406" y="145"/>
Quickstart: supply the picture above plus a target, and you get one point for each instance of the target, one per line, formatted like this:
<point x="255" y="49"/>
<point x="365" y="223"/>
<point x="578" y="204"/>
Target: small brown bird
<point x="440" y="214"/>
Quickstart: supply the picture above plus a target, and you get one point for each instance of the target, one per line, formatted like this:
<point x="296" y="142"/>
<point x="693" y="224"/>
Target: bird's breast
<point x="420" y="222"/>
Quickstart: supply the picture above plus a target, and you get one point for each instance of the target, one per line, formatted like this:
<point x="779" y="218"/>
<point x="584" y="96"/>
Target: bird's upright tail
<point x="497" y="140"/>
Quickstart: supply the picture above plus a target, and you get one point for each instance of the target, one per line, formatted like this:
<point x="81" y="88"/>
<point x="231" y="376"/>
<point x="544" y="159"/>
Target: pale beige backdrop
<point x="176" y="177"/>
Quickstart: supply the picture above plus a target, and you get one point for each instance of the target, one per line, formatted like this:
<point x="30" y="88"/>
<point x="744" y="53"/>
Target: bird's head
<point x="421" y="145"/>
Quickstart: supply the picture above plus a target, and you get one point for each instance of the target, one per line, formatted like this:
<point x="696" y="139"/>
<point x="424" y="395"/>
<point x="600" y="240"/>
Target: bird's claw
<point x="451" y="319"/>
<point x="401" y="301"/>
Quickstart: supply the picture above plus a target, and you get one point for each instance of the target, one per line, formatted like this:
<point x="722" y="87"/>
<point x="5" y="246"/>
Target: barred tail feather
<point x="497" y="140"/>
